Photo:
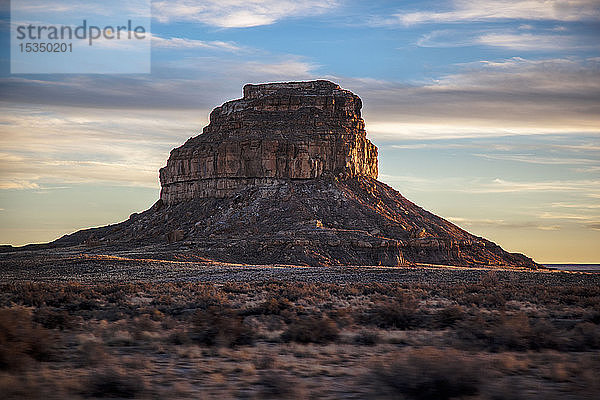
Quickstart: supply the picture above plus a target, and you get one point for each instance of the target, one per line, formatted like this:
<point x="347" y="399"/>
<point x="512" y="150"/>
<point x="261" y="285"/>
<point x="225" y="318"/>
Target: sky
<point x="485" y="112"/>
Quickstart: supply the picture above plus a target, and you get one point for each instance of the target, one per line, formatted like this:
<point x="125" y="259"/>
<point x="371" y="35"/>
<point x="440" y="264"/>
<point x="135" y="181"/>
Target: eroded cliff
<point x="277" y="131"/>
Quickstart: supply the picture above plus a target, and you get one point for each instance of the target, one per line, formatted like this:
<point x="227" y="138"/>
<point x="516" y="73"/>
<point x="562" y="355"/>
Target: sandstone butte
<point x="286" y="175"/>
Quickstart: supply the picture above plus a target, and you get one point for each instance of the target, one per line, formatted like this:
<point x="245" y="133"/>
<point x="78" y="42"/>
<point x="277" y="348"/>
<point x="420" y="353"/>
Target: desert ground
<point x="84" y="325"/>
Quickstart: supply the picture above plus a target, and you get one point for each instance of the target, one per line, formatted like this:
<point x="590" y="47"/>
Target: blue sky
<point x="485" y="112"/>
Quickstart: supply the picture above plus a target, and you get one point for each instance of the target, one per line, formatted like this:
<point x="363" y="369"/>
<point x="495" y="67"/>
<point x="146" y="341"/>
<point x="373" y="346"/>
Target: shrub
<point x="449" y="316"/>
<point x="428" y="374"/>
<point x="273" y="306"/>
<point x="236" y="287"/>
<point x="21" y="339"/>
<point x="585" y="336"/>
<point x="515" y="332"/>
<point x="221" y="327"/>
<point x="274" y="385"/>
<point x="400" y="313"/>
<point x="489" y="280"/>
<point x="593" y="317"/>
<point x="53" y="319"/>
<point x="311" y="329"/>
<point x="93" y="354"/>
<point x="114" y="383"/>
<point x="207" y="296"/>
<point x="511" y="333"/>
<point x="342" y="316"/>
<point x="366" y="338"/>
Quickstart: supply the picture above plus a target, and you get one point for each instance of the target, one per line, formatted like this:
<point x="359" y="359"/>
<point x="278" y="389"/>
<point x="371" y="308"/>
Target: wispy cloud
<point x="486" y="10"/>
<point x="454" y="127"/>
<point x="588" y="221"/>
<point x="488" y="98"/>
<point x="70" y="145"/>
<point x="185" y="43"/>
<point x="576" y="205"/>
<point x="580" y="150"/>
<point x="447" y="38"/>
<point x="12" y="183"/>
<point x="289" y="68"/>
<point x="188" y="83"/>
<point x="536" y="159"/>
<point x="515" y="96"/>
<point x="577" y="217"/>
<point x="529" y="41"/>
<point x="558" y="75"/>
<point x="238" y="13"/>
<point x="510" y="39"/>
<point x="500" y="223"/>
<point x="74" y="8"/>
<point x="585" y="186"/>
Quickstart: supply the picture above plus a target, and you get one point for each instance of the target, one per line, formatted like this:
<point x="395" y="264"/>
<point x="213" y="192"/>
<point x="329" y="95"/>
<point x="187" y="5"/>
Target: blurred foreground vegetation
<point x="491" y="339"/>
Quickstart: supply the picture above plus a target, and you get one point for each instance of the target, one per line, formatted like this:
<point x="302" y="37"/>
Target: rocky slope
<point x="286" y="175"/>
<point x="329" y="221"/>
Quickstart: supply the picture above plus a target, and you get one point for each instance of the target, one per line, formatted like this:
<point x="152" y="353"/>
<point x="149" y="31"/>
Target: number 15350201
<point x="35" y="47"/>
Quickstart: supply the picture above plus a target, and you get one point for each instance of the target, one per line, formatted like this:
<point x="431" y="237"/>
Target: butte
<point x="286" y="175"/>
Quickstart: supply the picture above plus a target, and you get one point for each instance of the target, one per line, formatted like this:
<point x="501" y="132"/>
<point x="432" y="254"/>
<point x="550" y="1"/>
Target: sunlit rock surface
<point x="277" y="131"/>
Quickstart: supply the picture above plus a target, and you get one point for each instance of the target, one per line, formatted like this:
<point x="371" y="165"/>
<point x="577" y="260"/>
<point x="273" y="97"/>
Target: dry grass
<point x="490" y="339"/>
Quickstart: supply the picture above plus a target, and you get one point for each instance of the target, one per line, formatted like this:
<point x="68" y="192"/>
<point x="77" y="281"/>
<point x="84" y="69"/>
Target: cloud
<point x="589" y="221"/>
<point x="291" y="68"/>
<point x="447" y="38"/>
<point x="70" y="8"/>
<point x="444" y="125"/>
<point x="489" y="98"/>
<point x="536" y="159"/>
<point x="589" y="146"/>
<point x="115" y="130"/>
<point x="576" y="205"/>
<point x="581" y="186"/>
<point x="509" y="97"/>
<point x="510" y="39"/>
<point x="56" y="145"/>
<point x="16" y="184"/>
<point x="39" y="172"/>
<point x="528" y="41"/>
<point x="415" y="180"/>
<point x="184" y="43"/>
<point x="486" y="10"/>
<point x="576" y="217"/>
<point x="564" y="148"/>
<point x="500" y="223"/>
<point x="188" y="83"/>
<point x="527" y="76"/>
<point x="514" y="96"/>
<point x="238" y="13"/>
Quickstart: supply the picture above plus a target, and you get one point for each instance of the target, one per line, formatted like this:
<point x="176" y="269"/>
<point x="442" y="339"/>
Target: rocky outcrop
<point x="276" y="132"/>
<point x="285" y="175"/>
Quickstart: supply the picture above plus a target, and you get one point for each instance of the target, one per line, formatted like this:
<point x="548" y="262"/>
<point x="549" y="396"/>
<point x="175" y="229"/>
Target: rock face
<point x="276" y="132"/>
<point x="286" y="175"/>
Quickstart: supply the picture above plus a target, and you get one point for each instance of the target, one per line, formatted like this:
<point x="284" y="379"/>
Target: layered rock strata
<point x="276" y="132"/>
